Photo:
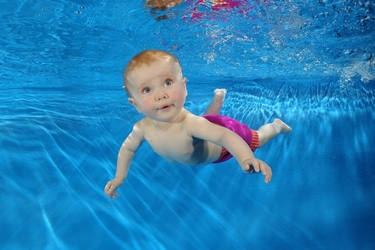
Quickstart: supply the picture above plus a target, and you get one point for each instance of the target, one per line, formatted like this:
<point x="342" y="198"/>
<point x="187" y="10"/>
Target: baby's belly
<point x="196" y="153"/>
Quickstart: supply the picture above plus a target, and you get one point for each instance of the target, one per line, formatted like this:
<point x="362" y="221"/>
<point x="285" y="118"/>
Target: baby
<point x="155" y="85"/>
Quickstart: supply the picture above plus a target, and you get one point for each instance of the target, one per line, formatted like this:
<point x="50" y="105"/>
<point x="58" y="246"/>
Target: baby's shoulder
<point x="143" y="124"/>
<point x="190" y="117"/>
<point x="194" y="121"/>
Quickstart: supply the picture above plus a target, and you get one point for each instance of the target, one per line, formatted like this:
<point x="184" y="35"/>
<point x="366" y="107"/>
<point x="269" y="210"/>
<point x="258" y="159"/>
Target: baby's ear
<point x="185" y="81"/>
<point x="132" y="102"/>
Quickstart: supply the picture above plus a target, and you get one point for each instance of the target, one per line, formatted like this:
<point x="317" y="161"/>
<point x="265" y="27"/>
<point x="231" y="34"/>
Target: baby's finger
<point x="109" y="190"/>
<point x="106" y="188"/>
<point x="267" y="172"/>
<point x="108" y="193"/>
<point x="256" y="166"/>
<point x="264" y="169"/>
<point x="248" y="169"/>
<point x="267" y="178"/>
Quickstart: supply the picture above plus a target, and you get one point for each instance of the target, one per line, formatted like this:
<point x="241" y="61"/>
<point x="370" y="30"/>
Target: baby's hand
<point x="252" y="165"/>
<point x="110" y="188"/>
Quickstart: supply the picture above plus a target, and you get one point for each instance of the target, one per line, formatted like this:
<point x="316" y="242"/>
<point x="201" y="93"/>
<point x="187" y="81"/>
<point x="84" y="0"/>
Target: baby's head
<point x="148" y="57"/>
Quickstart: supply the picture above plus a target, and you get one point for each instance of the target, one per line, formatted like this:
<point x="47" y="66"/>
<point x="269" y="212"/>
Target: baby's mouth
<point x="165" y="107"/>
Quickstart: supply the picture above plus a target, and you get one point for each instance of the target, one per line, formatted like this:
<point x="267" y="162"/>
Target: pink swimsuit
<point x="248" y="135"/>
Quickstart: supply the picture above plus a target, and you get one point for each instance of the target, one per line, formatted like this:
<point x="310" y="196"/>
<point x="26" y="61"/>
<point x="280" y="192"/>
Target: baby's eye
<point x="146" y="90"/>
<point x="168" y="83"/>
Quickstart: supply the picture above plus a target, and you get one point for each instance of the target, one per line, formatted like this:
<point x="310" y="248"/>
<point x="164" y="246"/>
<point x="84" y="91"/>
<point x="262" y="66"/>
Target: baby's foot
<point x="216" y="102"/>
<point x="284" y="128"/>
<point x="219" y="95"/>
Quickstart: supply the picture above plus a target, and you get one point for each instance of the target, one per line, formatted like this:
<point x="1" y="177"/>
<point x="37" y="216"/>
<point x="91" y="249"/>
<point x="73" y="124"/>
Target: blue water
<point x="64" y="116"/>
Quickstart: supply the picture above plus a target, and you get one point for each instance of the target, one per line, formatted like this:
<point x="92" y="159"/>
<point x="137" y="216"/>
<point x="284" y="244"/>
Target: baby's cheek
<point x="144" y="104"/>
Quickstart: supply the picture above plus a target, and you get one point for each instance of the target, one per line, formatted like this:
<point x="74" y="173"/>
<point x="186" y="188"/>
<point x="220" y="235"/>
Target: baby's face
<point x="158" y="90"/>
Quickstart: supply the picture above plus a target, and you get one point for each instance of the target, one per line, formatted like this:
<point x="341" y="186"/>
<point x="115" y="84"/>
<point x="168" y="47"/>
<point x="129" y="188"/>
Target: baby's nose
<point x="161" y="95"/>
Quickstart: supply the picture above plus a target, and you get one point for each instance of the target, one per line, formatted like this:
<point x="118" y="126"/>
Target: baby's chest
<point x="171" y="145"/>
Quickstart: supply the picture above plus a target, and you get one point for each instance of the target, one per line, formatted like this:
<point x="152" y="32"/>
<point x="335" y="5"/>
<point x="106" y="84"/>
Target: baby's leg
<point x="271" y="130"/>
<point x="216" y="102"/>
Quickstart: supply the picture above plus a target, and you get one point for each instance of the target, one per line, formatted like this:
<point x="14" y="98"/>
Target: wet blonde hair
<point x="146" y="57"/>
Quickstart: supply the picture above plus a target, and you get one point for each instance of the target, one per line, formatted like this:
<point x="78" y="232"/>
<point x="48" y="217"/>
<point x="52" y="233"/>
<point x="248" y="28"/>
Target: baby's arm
<point x="125" y="157"/>
<point x="201" y="128"/>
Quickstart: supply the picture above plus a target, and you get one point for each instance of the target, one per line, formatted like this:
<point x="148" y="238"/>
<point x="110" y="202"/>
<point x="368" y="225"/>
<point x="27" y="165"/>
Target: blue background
<point x="64" y="116"/>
